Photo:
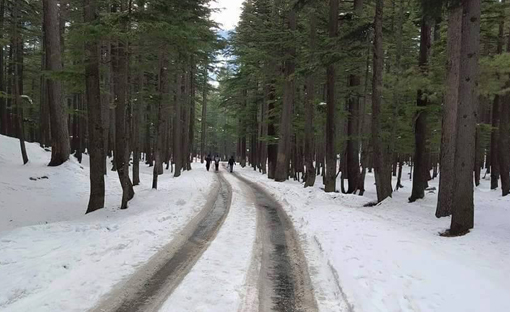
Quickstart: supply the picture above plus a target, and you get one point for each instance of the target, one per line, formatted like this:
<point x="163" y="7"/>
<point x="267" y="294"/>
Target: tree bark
<point x="178" y="125"/>
<point x="17" y="81"/>
<point x="353" y="123"/>
<point x="421" y="151"/>
<point x="95" y="115"/>
<point x="163" y="112"/>
<point x="504" y="144"/>
<point x="203" y="134"/>
<point x="285" y="138"/>
<point x="3" y="108"/>
<point x="381" y="165"/>
<point x="310" y="110"/>
<point x="448" y="135"/>
<point x="463" y="212"/>
<point x="60" y="145"/>
<point x="121" y="156"/>
<point x="494" y="142"/>
<point x="137" y="126"/>
<point x="330" y="178"/>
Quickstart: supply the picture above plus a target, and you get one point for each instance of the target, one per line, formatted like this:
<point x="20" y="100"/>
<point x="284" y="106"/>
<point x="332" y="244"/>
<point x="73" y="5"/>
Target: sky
<point x="228" y="17"/>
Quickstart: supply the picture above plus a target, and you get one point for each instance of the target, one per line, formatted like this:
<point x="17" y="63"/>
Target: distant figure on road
<point x="231" y="163"/>
<point x="208" y="160"/>
<point x="217" y="162"/>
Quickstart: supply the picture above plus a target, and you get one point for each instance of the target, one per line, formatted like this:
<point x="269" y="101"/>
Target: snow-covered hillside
<point x="52" y="256"/>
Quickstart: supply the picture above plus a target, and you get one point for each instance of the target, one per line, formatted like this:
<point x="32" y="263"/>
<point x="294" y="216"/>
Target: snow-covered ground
<point x="365" y="259"/>
<point x="391" y="258"/>
<point x="53" y="257"/>
<point x="217" y="281"/>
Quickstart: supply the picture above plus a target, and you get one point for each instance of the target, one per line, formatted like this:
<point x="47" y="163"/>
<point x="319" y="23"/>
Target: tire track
<point x="283" y="282"/>
<point x="149" y="288"/>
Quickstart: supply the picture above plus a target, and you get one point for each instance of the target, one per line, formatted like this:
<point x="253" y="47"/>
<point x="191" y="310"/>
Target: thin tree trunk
<point x="494" y="142"/>
<point x="285" y="138"/>
<point x="163" y="111"/>
<point x="137" y="126"/>
<point x="121" y="156"/>
<point x="203" y="134"/>
<point x="504" y="140"/>
<point x="95" y="115"/>
<point x="178" y="125"/>
<point x="17" y="81"/>
<point x="330" y="178"/>
<point x="60" y="145"/>
<point x="3" y="108"/>
<point x="310" y="110"/>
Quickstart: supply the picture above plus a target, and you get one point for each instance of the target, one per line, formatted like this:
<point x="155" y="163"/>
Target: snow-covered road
<point x="255" y="257"/>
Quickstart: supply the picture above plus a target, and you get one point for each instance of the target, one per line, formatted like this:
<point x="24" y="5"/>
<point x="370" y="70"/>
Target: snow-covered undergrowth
<point x="53" y="257"/>
<point x="391" y="258"/>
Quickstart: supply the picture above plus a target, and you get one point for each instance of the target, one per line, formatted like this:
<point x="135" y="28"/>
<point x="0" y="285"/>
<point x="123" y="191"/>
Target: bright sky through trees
<point x="229" y="13"/>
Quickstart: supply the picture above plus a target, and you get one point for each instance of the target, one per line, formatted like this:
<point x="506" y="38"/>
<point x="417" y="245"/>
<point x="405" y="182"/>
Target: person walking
<point x="217" y="162"/>
<point x="231" y="163"/>
<point x="208" y="161"/>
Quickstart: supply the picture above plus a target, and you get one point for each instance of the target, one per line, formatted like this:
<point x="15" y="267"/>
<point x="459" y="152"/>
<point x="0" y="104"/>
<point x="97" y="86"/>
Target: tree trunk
<point x="60" y="145"/>
<point x="17" y="81"/>
<point x="203" y="134"/>
<point x="330" y="178"/>
<point x="272" y="148"/>
<point x="191" y="125"/>
<point x="381" y="165"/>
<point x="353" y="123"/>
<point x="95" y="115"/>
<point x="421" y="151"/>
<point x="448" y="135"/>
<point x="310" y="110"/>
<point x="504" y="144"/>
<point x="121" y="156"/>
<point x="163" y="112"/>
<point x="3" y="108"/>
<point x="494" y="142"/>
<point x="178" y="125"/>
<point x="463" y="212"/>
<point x="285" y="138"/>
<point x="137" y="126"/>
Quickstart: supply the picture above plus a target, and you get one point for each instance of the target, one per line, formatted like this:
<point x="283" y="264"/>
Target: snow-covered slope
<point x="391" y="257"/>
<point x="52" y="256"/>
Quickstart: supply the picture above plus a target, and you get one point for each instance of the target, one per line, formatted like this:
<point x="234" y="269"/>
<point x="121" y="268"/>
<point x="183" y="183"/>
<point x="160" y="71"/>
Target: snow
<point x="391" y="258"/>
<point x="55" y="258"/>
<point x="364" y="259"/>
<point x="217" y="281"/>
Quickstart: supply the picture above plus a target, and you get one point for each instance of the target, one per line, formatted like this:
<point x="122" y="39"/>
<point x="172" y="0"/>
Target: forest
<point x="300" y="90"/>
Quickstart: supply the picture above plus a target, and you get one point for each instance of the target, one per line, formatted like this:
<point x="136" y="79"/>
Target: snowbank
<point x="391" y="257"/>
<point x="53" y="257"/>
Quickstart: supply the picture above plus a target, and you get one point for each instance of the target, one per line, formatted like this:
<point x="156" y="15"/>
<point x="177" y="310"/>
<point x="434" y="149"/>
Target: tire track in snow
<point x="283" y="281"/>
<point x="149" y="288"/>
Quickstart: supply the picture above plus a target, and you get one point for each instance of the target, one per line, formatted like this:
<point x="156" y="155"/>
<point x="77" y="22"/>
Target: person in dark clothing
<point x="231" y="163"/>
<point x="217" y="162"/>
<point x="208" y="160"/>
